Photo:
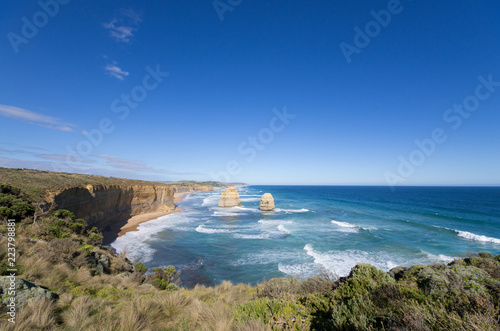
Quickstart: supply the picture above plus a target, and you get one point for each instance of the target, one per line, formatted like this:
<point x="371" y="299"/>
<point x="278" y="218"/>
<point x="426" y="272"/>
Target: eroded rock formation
<point x="25" y="291"/>
<point x="267" y="202"/>
<point x="230" y="198"/>
<point x="103" y="205"/>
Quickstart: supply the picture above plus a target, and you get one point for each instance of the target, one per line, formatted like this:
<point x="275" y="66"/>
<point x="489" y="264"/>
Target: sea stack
<point x="267" y="202"/>
<point x="230" y="198"/>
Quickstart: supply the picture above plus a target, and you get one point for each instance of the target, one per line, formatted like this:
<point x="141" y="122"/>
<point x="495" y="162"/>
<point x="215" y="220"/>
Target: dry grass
<point x="39" y="315"/>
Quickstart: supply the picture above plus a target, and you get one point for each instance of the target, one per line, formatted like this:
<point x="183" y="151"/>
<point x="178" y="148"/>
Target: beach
<point x="121" y="228"/>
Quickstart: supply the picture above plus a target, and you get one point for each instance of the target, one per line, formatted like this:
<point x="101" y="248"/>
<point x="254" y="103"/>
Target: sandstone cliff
<point x="104" y="205"/>
<point x="230" y="198"/>
<point x="267" y="202"/>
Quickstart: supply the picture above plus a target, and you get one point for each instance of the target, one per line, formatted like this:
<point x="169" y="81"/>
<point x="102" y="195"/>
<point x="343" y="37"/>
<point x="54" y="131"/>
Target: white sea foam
<point x="246" y="209"/>
<point x="224" y="213"/>
<point x="477" y="237"/>
<point x="210" y="201"/>
<point x="344" y="224"/>
<point x="274" y="222"/>
<point x="202" y="229"/>
<point x="249" y="199"/>
<point x="341" y="262"/>
<point x="305" y="270"/>
<point x="135" y="243"/>
<point x="303" y="210"/>
<point x="265" y="257"/>
<point x="280" y="234"/>
<point x="232" y="211"/>
<point x="440" y="258"/>
<point x="252" y="236"/>
<point x="282" y="228"/>
<point x="346" y="227"/>
<point x="131" y="243"/>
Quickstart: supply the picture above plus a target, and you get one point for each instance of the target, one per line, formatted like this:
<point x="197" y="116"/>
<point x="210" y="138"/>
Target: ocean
<point x="315" y="229"/>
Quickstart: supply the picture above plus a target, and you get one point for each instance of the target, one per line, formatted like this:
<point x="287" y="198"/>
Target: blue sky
<point x="330" y="92"/>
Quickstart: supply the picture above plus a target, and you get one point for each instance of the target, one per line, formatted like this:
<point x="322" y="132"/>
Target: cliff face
<point x="229" y="198"/>
<point x="103" y="205"/>
<point x="267" y="202"/>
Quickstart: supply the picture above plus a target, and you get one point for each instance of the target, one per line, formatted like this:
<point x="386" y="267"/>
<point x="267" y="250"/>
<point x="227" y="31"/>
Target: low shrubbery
<point x="14" y="205"/>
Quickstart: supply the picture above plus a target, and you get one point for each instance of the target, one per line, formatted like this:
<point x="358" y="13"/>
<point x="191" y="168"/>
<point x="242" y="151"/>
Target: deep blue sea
<point x="317" y="228"/>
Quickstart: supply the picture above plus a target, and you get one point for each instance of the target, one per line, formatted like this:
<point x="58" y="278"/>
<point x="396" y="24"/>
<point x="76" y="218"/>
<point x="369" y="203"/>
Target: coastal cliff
<point x="103" y="205"/>
<point x="100" y="201"/>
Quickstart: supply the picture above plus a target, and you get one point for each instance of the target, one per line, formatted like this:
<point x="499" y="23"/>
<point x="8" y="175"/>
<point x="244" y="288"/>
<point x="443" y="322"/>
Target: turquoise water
<point x="317" y="228"/>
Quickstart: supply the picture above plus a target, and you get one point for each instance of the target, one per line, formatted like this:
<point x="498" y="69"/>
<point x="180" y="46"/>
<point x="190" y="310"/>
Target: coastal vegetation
<point x="92" y="288"/>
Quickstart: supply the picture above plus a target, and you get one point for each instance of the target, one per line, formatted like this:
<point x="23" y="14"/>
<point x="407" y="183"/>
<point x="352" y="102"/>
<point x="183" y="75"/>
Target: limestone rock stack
<point x="267" y="202"/>
<point x="230" y="198"/>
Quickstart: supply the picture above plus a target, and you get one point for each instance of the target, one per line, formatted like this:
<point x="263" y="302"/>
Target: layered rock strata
<point x="230" y="198"/>
<point x="267" y="202"/>
<point x="104" y="205"/>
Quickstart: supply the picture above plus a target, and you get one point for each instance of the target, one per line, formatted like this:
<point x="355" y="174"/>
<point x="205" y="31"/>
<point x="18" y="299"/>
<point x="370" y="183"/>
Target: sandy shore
<point x="119" y="229"/>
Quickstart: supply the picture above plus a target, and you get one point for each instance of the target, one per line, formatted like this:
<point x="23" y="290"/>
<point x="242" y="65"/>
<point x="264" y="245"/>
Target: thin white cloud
<point x="114" y="71"/>
<point x="63" y="157"/>
<point x="34" y="118"/>
<point x="119" y="163"/>
<point x="135" y="17"/>
<point x="123" y="27"/>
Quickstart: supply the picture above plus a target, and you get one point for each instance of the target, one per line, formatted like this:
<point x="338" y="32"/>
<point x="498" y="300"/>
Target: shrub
<point x="94" y="237"/>
<point x="279" y="288"/>
<point x="86" y="248"/>
<point x="63" y="214"/>
<point x="9" y="189"/>
<point x="165" y="279"/>
<point x="140" y="267"/>
<point x="62" y="250"/>
<point x="14" y="207"/>
<point x="279" y="314"/>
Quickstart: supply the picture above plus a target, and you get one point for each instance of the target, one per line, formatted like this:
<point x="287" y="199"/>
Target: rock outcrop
<point x="230" y="198"/>
<point x="24" y="291"/>
<point x="267" y="202"/>
<point x="103" y="205"/>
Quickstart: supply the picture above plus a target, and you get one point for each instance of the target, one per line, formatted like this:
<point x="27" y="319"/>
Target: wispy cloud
<point x="8" y="162"/>
<point x="124" y="25"/>
<point x="114" y="71"/>
<point x="63" y="157"/>
<point x="34" y="118"/>
<point x="119" y="163"/>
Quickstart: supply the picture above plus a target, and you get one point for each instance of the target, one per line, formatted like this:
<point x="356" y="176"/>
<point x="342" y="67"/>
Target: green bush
<point x="9" y="189"/>
<point x="63" y="214"/>
<point x="165" y="279"/>
<point x="95" y="238"/>
<point x="140" y="267"/>
<point x="13" y="206"/>
<point x="280" y="314"/>
<point x="86" y="248"/>
<point x="83" y="290"/>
